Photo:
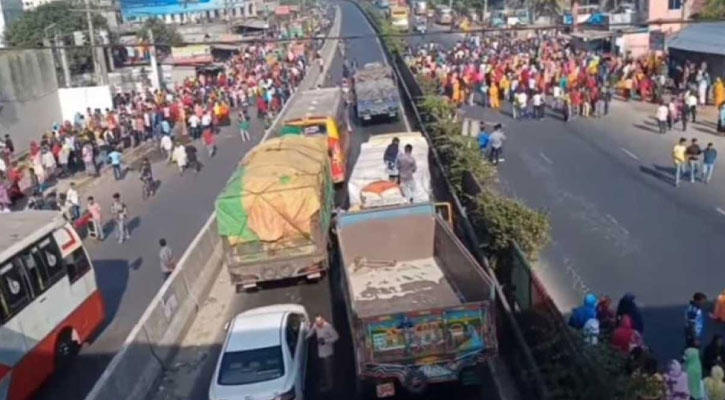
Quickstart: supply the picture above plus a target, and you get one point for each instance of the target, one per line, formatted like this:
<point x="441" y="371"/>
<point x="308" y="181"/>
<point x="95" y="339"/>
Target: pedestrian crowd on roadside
<point x="542" y="70"/>
<point x="697" y="375"/>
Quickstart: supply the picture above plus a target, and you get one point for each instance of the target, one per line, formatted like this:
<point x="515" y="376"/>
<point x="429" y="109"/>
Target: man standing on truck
<point x="406" y="169"/>
<point x="390" y="158"/>
<point x="326" y="338"/>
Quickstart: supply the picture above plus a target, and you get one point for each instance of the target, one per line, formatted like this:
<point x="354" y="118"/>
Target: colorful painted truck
<point x="274" y="214"/>
<point x="419" y="306"/>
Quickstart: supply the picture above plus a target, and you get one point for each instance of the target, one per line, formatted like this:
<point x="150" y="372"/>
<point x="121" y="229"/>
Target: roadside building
<point x="182" y="12"/>
<point x="698" y="43"/>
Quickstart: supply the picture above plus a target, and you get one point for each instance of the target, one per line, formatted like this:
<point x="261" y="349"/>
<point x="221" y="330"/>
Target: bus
<point x="322" y="112"/>
<point x="49" y="300"/>
<point x="400" y="18"/>
<point x="444" y="15"/>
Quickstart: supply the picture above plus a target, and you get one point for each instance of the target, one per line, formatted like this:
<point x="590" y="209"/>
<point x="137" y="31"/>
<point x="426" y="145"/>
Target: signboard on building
<point x="657" y="41"/>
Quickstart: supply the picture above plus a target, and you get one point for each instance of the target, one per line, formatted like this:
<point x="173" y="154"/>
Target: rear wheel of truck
<point x="362" y="389"/>
<point x="415" y="382"/>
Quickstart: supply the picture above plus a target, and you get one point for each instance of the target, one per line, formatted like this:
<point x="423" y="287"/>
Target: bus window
<point x="50" y="256"/>
<point x="77" y="264"/>
<point x="13" y="289"/>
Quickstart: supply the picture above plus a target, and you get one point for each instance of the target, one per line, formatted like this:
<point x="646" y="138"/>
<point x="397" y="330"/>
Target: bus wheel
<point x="66" y="349"/>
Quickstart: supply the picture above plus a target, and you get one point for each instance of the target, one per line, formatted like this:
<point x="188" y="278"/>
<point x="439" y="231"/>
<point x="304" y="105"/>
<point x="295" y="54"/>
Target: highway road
<point x="128" y="274"/>
<point x="619" y="224"/>
<point x="322" y="297"/>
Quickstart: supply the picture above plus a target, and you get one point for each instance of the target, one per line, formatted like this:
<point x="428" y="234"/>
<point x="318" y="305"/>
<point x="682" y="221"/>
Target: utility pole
<point x="92" y="40"/>
<point x="155" y="82"/>
<point x="63" y="60"/>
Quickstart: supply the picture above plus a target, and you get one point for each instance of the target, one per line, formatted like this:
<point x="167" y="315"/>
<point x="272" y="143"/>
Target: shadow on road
<point x="112" y="278"/>
<point x="645" y="128"/>
<point x="665" y="174"/>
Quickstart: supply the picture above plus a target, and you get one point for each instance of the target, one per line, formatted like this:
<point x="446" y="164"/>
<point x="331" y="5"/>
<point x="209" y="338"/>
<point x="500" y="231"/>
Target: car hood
<point x="255" y="391"/>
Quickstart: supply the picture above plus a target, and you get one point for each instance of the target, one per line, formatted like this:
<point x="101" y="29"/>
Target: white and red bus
<point x="49" y="301"/>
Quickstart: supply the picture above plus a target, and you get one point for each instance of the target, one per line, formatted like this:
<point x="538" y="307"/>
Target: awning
<point x="252" y="24"/>
<point x="700" y="38"/>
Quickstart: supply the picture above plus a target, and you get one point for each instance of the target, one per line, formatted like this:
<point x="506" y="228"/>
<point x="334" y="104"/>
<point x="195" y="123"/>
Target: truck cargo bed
<point x="389" y="286"/>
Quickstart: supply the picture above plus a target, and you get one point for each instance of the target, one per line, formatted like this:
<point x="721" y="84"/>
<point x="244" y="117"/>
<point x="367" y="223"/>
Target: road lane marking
<point x="720" y="210"/>
<point x="629" y="153"/>
<point x="547" y="159"/>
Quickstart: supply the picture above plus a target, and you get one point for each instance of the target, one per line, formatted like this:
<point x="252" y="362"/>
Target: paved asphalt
<point x="324" y="297"/>
<point x="128" y="274"/>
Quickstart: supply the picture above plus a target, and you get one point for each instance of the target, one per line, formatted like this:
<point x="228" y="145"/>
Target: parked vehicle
<point x="369" y="185"/>
<point x="421" y="7"/>
<point x="321" y="112"/>
<point x="376" y="94"/>
<point x="420" y="308"/>
<point x="383" y="4"/>
<point x="400" y="18"/>
<point x="264" y="355"/>
<point x="274" y="214"/>
<point x="443" y="15"/>
<point x="421" y="24"/>
<point x="50" y="304"/>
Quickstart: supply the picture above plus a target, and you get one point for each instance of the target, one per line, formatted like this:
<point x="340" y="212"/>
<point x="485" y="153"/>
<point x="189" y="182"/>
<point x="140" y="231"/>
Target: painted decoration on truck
<point x="430" y="336"/>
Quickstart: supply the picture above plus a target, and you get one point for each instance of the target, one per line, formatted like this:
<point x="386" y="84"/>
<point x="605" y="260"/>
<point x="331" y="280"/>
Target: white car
<point x="264" y="355"/>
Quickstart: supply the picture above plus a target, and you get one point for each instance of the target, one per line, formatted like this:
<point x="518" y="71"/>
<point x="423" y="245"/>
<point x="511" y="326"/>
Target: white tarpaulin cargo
<point x="370" y="167"/>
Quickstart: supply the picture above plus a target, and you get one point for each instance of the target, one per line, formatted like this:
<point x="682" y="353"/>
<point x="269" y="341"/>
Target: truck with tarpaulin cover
<point x="274" y="214"/>
<point x="369" y="184"/>
<point x="419" y="306"/>
<point x="376" y="94"/>
<point x="321" y="112"/>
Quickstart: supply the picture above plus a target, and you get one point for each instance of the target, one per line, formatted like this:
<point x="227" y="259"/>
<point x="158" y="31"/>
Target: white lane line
<point x="547" y="159"/>
<point x="720" y="210"/>
<point x="629" y="153"/>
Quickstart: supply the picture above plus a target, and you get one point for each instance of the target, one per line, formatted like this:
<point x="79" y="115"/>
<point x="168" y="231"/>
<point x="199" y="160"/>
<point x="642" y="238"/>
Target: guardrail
<point x="512" y="343"/>
<point x="152" y="342"/>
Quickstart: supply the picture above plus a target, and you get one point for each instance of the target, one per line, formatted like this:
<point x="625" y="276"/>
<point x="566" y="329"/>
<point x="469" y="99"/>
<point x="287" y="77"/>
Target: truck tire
<point x="361" y="389"/>
<point x="415" y="382"/>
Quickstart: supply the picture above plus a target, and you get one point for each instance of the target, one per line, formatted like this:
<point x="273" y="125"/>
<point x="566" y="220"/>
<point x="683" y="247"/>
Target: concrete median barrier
<point x="153" y="341"/>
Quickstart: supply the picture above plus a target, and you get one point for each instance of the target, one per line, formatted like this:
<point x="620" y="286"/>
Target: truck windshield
<point x="315" y="129"/>
<point x="251" y="366"/>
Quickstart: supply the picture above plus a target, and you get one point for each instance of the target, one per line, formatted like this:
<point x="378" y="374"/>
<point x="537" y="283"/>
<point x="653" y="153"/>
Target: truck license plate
<point x="385" y="390"/>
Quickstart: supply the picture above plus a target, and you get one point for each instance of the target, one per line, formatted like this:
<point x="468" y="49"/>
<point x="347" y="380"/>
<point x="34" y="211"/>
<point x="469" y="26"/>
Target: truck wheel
<point x="415" y="382"/>
<point x="65" y="349"/>
<point x="361" y="389"/>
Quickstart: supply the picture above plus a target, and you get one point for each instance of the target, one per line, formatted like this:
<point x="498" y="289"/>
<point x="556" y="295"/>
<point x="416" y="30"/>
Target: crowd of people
<point x="261" y="75"/>
<point x="697" y="375"/>
<point x="534" y="71"/>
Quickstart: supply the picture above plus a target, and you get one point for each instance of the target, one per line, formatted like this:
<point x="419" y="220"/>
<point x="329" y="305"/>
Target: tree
<point x="163" y="33"/>
<point x="29" y="30"/>
<point x="714" y="9"/>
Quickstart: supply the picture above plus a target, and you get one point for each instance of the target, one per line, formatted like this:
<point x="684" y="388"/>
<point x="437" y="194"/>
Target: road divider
<point x="153" y="341"/>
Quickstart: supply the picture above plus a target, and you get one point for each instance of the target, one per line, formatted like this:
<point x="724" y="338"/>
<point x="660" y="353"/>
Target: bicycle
<point x="148" y="188"/>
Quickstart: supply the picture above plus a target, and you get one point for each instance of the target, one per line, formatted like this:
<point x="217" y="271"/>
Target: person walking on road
<point x="209" y="139"/>
<point x="662" y="117"/>
<point x="244" y="127"/>
<point x="96" y="217"/>
<point x="167" y="146"/>
<point x="74" y="201"/>
<point x="678" y="157"/>
<point x="496" y="140"/>
<point x="179" y="156"/>
<point x="709" y="155"/>
<point x="116" y="158"/>
<point x="406" y="168"/>
<point x="326" y="338"/>
<point x="120" y="214"/>
<point x="693" y="158"/>
<point x="692" y="106"/>
<point x="166" y="258"/>
<point x="695" y="320"/>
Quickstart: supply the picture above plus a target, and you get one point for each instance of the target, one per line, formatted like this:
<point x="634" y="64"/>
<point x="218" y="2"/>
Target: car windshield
<point x="251" y="366"/>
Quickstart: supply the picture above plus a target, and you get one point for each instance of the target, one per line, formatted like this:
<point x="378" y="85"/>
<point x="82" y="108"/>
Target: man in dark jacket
<point x="708" y="162"/>
<point x="693" y="158"/>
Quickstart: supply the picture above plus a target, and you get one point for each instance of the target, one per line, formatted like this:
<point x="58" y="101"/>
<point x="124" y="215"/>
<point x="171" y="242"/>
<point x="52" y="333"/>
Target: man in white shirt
<point x="194" y="122"/>
<point x="521" y="101"/>
<point x="167" y="145"/>
<point x="538" y="103"/>
<point x="692" y="105"/>
<point x="74" y="201"/>
<point x="326" y="338"/>
<point x="662" y="113"/>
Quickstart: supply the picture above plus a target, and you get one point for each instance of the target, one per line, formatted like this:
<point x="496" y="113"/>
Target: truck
<point x="400" y="18"/>
<point x="421" y="8"/>
<point x="419" y="307"/>
<point x="273" y="216"/>
<point x="369" y="184"/>
<point x="375" y="92"/>
<point x="322" y="112"/>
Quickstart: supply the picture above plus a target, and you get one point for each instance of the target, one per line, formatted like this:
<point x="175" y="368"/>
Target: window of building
<point x="674" y="4"/>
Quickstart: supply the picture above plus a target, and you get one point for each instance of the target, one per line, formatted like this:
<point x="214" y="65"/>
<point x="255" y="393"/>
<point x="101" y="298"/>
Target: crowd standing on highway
<point x="698" y="375"/>
<point x="543" y="69"/>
